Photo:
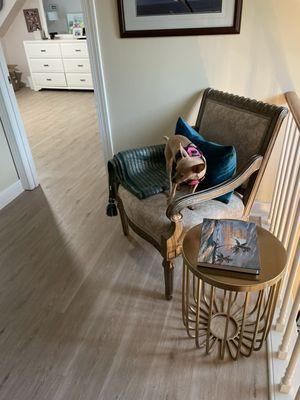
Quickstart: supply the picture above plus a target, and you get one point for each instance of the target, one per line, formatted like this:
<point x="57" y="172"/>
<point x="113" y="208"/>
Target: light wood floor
<point x="82" y="308"/>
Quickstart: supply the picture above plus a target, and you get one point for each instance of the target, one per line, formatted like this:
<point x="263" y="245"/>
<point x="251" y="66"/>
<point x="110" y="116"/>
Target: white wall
<point x="8" y="174"/>
<point x="151" y="81"/>
<point x="63" y="8"/>
<point x="12" y="41"/>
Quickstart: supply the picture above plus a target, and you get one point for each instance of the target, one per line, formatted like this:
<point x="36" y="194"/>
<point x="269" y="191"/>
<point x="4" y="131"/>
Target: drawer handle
<point x="43" y="51"/>
<point x="78" y="50"/>
<point x="46" y="65"/>
<point x="80" y="65"/>
<point x="49" y="79"/>
<point x="82" y="80"/>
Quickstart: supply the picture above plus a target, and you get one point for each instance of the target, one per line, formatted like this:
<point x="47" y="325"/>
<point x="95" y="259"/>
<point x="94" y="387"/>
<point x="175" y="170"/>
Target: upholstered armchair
<point x="252" y="127"/>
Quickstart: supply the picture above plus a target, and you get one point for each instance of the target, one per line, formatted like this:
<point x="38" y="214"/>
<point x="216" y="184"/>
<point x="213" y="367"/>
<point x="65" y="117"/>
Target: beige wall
<point x="151" y="81"/>
<point x="8" y="174"/>
<point x="12" y="41"/>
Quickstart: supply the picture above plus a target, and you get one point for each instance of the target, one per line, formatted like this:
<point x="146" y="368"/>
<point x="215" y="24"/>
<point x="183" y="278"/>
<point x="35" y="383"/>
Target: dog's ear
<point x="182" y="151"/>
<point x="198" y="168"/>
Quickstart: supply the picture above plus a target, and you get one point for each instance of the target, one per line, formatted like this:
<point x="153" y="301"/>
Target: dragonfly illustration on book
<point x="240" y="247"/>
<point x="220" y="258"/>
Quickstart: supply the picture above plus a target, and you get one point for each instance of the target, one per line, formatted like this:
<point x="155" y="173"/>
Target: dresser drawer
<point x="80" y="80"/>
<point x="77" y="65"/>
<point x="74" y="50"/>
<point x="50" y="79"/>
<point x="45" y="65"/>
<point x="41" y="50"/>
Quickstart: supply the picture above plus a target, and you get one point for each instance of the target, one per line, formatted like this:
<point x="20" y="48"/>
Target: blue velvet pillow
<point x="221" y="160"/>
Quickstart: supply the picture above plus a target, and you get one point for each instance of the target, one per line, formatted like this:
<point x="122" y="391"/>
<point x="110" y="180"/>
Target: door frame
<point x="16" y="136"/>
<point x="15" y="131"/>
<point x="97" y="69"/>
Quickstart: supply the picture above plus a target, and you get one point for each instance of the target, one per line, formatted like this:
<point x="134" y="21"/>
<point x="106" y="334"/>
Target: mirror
<point x="64" y="17"/>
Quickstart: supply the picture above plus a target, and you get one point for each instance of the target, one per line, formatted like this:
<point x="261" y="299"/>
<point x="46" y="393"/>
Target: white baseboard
<point x="29" y="83"/>
<point x="10" y="193"/>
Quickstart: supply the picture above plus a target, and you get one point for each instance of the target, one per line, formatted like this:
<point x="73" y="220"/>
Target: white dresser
<point x="59" y="64"/>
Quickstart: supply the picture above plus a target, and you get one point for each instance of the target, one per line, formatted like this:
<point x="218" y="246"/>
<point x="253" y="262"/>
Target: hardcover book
<point x="229" y="245"/>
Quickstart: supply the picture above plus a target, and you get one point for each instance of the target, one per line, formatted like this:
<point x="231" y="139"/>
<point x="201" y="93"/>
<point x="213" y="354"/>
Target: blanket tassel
<point x="111" y="209"/>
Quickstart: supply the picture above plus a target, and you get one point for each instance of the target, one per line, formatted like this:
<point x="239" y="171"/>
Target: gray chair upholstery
<point x="150" y="214"/>
<point x="228" y="119"/>
<point x="252" y="127"/>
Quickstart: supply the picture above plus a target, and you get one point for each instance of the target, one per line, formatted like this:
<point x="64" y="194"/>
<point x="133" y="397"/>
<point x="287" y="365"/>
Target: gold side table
<point x="229" y="311"/>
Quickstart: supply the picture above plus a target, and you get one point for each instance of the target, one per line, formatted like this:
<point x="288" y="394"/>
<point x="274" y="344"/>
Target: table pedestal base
<point x="237" y="322"/>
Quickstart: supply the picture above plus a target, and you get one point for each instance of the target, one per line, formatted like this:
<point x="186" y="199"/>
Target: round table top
<point x="272" y="262"/>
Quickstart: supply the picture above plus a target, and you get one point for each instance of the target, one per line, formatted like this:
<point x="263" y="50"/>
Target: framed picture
<point x="145" y="18"/>
<point x="75" y="20"/>
<point x="32" y="19"/>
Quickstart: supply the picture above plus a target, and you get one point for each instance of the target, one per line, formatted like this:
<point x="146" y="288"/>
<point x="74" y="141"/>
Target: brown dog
<point x="190" y="163"/>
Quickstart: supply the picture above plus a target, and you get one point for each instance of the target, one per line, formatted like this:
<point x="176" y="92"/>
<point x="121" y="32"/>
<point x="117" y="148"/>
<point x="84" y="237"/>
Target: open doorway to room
<point x="46" y="51"/>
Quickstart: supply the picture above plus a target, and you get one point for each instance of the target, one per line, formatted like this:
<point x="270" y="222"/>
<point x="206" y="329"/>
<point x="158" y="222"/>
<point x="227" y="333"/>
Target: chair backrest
<point x="251" y="126"/>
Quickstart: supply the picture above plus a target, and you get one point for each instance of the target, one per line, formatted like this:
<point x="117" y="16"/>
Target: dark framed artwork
<point x="146" y="18"/>
<point x="32" y="19"/>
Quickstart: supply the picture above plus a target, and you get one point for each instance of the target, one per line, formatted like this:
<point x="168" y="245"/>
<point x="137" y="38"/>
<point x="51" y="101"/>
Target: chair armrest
<point x="208" y="194"/>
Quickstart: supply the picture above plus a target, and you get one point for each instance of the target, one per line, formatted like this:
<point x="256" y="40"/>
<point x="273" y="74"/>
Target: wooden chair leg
<point x="168" y="272"/>
<point x="124" y="220"/>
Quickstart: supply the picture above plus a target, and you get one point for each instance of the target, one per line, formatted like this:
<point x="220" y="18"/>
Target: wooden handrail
<point x="293" y="102"/>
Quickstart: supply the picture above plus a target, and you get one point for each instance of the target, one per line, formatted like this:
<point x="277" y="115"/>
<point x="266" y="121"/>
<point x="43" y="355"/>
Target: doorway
<point x="46" y="113"/>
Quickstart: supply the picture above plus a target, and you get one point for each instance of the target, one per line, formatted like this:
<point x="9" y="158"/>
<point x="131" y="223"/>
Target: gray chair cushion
<point x="150" y="214"/>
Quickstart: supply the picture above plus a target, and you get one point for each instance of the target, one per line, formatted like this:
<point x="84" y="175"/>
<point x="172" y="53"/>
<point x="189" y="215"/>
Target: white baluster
<point x="291" y="133"/>
<point x="291" y="249"/>
<point x="292" y="279"/>
<point x="280" y="167"/>
<point x="286" y="382"/>
<point x="290" y="184"/>
<point x="286" y="236"/>
<point x="287" y="177"/>
<point x="284" y="347"/>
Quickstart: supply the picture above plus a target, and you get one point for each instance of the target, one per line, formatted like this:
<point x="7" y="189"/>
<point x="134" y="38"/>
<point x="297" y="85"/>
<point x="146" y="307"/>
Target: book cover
<point x="229" y="245"/>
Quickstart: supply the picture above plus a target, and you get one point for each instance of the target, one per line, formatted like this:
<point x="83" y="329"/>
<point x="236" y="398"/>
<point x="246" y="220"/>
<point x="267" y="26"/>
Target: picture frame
<point x="149" y="18"/>
<point x="74" y="20"/>
<point x="32" y="19"/>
